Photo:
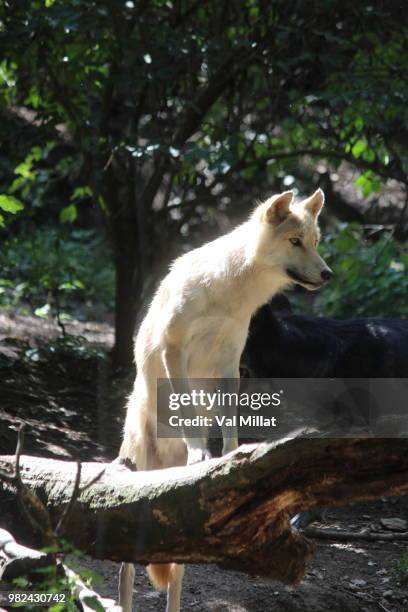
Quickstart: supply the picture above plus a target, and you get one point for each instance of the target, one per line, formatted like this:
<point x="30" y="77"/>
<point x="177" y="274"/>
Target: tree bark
<point x="233" y="511"/>
<point x="127" y="294"/>
<point x="122" y="225"/>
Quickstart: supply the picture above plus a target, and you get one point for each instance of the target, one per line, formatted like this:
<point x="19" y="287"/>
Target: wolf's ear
<point x="314" y="203"/>
<point x="278" y="207"/>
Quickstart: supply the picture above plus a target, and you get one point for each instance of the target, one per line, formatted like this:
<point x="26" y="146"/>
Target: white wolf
<point x="197" y="326"/>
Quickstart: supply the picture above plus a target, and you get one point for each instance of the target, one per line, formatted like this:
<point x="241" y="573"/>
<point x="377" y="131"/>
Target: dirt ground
<point x="67" y="396"/>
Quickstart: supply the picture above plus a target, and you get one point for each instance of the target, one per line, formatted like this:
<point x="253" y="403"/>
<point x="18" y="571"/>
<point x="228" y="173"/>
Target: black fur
<point x="284" y="345"/>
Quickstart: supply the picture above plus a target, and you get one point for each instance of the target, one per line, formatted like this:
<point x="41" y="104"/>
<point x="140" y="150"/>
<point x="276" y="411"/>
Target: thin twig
<point x="75" y="492"/>
<point x="24" y="494"/>
<point x="366" y="597"/>
<point x="339" y="534"/>
<point x="19" y="448"/>
<point x="93" y="481"/>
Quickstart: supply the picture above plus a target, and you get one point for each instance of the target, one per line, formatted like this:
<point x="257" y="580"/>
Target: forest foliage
<point x="146" y="124"/>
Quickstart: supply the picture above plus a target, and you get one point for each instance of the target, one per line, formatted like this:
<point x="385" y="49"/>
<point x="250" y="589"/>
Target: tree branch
<point x="196" y="112"/>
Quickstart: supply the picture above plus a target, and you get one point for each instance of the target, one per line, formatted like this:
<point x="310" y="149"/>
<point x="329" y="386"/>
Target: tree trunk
<point x="122" y="224"/>
<point x="132" y="244"/>
<point x="233" y="511"/>
<point x="127" y="295"/>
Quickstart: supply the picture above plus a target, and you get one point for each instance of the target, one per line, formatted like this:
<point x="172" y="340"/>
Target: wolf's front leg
<point x="195" y="438"/>
<point x="229" y="410"/>
<point x="229" y="445"/>
<point x="195" y="454"/>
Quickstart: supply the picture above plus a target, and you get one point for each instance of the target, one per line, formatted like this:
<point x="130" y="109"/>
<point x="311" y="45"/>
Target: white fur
<point x="198" y="321"/>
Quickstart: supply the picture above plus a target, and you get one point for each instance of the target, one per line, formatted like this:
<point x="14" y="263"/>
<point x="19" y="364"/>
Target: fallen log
<point x="233" y="511"/>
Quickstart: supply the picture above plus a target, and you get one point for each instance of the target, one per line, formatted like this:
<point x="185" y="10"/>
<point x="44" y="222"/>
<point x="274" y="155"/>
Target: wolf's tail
<point x="161" y="574"/>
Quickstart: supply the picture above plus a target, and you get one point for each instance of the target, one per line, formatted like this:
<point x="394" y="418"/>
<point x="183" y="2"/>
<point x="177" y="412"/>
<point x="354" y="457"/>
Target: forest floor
<point x="63" y="391"/>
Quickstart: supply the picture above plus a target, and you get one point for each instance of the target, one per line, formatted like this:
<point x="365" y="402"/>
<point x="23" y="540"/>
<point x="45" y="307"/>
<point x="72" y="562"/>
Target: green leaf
<point x="10" y="204"/>
<point x="102" y="204"/>
<point x="359" y="148"/>
<point x="368" y="183"/>
<point x="81" y="192"/>
<point x="369" y="155"/>
<point x="43" y="311"/>
<point x="71" y="286"/>
<point x="359" y="123"/>
<point x="24" y="169"/>
<point x="68" y="214"/>
<point x="92" y="602"/>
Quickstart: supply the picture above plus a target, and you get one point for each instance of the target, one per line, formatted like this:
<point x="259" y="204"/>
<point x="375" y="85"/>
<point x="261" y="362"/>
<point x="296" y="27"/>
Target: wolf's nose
<point x="326" y="275"/>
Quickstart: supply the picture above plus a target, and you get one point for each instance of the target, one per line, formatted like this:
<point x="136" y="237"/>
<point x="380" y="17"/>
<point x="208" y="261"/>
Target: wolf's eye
<point x="296" y="242"/>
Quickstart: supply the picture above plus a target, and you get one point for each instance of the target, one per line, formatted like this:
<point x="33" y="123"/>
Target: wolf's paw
<point x="119" y="461"/>
<point x="229" y="446"/>
<point x="195" y="455"/>
<point x="124" y="463"/>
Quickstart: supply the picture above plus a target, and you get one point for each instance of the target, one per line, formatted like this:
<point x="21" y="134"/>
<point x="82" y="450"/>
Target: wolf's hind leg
<point x="126" y="580"/>
<point x="174" y="589"/>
